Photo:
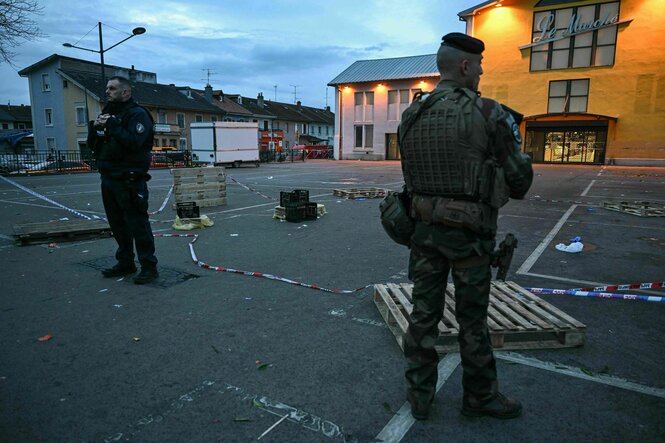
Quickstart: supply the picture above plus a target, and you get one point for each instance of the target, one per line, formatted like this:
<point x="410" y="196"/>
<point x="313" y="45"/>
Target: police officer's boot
<point x="147" y="274"/>
<point x="119" y="270"/>
<point x="498" y="407"/>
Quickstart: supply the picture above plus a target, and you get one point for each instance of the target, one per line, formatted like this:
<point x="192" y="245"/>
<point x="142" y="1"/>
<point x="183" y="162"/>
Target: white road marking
<point x="610" y="380"/>
<point x="402" y="421"/>
<point x="535" y="255"/>
<point x="583" y="194"/>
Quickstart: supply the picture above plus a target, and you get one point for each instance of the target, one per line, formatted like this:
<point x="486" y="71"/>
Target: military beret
<point x="463" y="42"/>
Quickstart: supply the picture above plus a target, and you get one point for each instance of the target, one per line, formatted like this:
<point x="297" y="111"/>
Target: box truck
<point x="225" y="143"/>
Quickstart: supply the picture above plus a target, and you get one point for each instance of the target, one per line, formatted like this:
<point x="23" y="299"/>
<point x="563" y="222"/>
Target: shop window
<point x="567" y="45"/>
<point x="568" y="96"/>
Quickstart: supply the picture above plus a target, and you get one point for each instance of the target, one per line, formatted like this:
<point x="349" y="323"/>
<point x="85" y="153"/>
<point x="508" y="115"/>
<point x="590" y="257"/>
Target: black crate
<point x="187" y="210"/>
<point x="310" y="211"/>
<point x="297" y="196"/>
<point x="297" y="213"/>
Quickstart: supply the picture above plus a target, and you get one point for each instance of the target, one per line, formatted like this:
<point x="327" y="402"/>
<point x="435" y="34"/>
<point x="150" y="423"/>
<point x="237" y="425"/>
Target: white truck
<point x="225" y="143"/>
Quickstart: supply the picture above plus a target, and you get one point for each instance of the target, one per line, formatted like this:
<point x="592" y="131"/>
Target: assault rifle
<point x="501" y="257"/>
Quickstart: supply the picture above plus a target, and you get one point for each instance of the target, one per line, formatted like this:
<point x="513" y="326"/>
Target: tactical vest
<point x="444" y="146"/>
<point x="110" y="150"/>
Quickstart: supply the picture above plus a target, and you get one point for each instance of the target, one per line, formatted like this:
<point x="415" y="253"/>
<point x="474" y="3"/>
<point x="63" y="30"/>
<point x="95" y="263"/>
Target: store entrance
<point x="566" y="145"/>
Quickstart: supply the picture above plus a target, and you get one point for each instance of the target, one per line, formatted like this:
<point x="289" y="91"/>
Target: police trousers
<point x="126" y="205"/>
<point x="435" y="251"/>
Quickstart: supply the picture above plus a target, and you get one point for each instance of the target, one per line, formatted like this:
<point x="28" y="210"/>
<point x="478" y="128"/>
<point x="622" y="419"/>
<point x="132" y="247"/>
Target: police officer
<point x="461" y="160"/>
<point x="121" y="139"/>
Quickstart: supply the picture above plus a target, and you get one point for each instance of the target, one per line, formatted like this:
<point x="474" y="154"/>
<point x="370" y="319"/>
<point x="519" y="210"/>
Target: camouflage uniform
<point x="437" y="247"/>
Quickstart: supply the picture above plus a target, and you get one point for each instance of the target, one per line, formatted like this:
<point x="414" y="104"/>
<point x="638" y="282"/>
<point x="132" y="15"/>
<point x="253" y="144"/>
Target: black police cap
<point x="463" y="42"/>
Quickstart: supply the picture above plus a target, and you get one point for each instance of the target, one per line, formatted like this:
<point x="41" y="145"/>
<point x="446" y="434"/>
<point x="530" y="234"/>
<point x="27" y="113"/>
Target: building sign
<point x="162" y="128"/>
<point x="547" y="32"/>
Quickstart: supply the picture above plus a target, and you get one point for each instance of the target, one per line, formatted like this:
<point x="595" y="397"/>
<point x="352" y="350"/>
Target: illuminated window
<point x="570" y="46"/>
<point x="568" y="96"/>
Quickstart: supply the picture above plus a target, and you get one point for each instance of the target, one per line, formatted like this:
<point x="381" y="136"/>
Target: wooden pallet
<point x="517" y="319"/>
<point x="360" y="193"/>
<point x="204" y="186"/>
<point x="280" y="212"/>
<point x="642" y="209"/>
<point x="60" y="231"/>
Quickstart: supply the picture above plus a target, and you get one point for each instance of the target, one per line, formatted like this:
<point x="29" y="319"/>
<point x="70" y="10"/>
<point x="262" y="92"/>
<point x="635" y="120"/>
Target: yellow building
<point x="587" y="75"/>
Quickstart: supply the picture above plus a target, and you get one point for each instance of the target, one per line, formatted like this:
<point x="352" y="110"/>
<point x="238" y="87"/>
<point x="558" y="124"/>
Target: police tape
<point x="650" y="285"/>
<point x="204" y="265"/>
<point x="161" y="208"/>
<point x="46" y="199"/>
<point x="595" y="294"/>
<point x="250" y="189"/>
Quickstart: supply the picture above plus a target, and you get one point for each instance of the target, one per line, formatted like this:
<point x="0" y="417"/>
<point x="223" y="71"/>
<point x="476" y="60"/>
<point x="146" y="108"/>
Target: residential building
<point x="586" y="74"/>
<point x="65" y="94"/>
<point x="15" y="129"/>
<point x="371" y="96"/>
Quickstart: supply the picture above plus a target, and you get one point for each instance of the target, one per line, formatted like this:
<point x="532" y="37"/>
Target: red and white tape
<point x="250" y="189"/>
<point x="650" y="285"/>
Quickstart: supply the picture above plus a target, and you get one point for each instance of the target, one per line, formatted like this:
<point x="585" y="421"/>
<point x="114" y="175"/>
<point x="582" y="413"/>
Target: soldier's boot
<point x="499" y="407"/>
<point x="147" y="274"/>
<point x="119" y="269"/>
<point x="420" y="412"/>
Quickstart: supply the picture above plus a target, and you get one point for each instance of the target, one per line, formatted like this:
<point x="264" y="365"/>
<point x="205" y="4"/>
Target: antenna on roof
<point x="209" y="72"/>
<point x="326" y="96"/>
<point x="275" y="86"/>
<point x="295" y="93"/>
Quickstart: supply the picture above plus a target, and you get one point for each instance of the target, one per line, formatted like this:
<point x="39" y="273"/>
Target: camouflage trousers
<point x="435" y="251"/>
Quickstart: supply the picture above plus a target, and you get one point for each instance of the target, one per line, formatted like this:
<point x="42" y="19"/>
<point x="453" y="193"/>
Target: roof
<point x="147" y="94"/>
<point x="11" y="113"/>
<point x="417" y="66"/>
<point x="54" y="57"/>
<point x="472" y="10"/>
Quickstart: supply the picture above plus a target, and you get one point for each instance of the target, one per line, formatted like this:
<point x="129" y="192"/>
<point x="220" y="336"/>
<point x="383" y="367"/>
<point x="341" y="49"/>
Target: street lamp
<point x="101" y="51"/>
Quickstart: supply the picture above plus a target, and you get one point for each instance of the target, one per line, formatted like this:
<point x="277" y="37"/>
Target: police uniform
<point x="461" y="159"/>
<point x="122" y="150"/>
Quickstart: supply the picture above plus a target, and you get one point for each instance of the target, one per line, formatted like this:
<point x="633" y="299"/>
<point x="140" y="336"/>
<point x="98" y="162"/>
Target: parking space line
<point x="583" y="194"/>
<point x="402" y="421"/>
<point x="579" y="373"/>
<point x="535" y="255"/>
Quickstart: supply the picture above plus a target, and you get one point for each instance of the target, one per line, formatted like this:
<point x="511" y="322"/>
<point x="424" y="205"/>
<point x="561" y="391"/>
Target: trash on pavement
<point x="573" y="247"/>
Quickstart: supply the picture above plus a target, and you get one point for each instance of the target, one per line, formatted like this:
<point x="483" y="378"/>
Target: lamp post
<point x="101" y="51"/>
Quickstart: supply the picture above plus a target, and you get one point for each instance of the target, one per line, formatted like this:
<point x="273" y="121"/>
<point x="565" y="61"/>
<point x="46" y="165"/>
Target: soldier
<point x="461" y="160"/>
<point x="121" y="138"/>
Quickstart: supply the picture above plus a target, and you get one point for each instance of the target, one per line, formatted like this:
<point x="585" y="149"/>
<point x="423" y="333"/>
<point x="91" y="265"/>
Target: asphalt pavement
<point x="204" y="355"/>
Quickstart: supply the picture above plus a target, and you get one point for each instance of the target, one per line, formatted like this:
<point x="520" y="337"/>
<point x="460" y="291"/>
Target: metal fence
<point x="297" y="154"/>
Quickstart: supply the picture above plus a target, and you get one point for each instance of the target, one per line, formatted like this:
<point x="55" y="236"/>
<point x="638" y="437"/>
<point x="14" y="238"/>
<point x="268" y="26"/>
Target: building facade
<point x="586" y="75"/>
<point x="371" y="96"/>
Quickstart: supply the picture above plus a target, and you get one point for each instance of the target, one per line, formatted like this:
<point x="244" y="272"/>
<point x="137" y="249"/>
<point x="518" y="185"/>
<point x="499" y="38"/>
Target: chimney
<point x="208" y="93"/>
<point x="259" y="100"/>
<point x="298" y="105"/>
<point x="132" y="74"/>
<point x="328" y="108"/>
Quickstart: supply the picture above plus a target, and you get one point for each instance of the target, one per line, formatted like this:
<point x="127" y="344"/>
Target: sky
<point x="285" y="49"/>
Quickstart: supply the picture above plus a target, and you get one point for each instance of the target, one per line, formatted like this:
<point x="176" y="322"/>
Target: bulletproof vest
<point x="444" y="149"/>
<point x="110" y="150"/>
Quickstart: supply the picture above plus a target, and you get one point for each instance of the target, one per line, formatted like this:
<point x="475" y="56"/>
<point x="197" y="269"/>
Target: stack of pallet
<point x="641" y="209"/>
<point x="204" y="187"/>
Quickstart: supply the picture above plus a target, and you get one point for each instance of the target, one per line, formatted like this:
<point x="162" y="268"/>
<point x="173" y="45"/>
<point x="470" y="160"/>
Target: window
<point x="568" y="96"/>
<point x="46" y="84"/>
<point x="183" y="144"/>
<point x="5" y="126"/>
<point x="287" y="127"/>
<point x="80" y="116"/>
<point x="48" y="117"/>
<point x="180" y="118"/>
<point x="265" y="125"/>
<point x="319" y="129"/>
<point x="364" y="136"/>
<point x="213" y="118"/>
<point x="198" y="118"/>
<point x="572" y="47"/>
<point x="364" y="106"/>
<point x="50" y="144"/>
<point x="161" y="117"/>
<point x="65" y="84"/>
<point x="172" y="142"/>
<point x="398" y="101"/>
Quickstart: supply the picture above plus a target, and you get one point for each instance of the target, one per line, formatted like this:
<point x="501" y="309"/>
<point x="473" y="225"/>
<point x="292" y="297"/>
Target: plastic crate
<point x="187" y="210"/>
<point x="297" y="196"/>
